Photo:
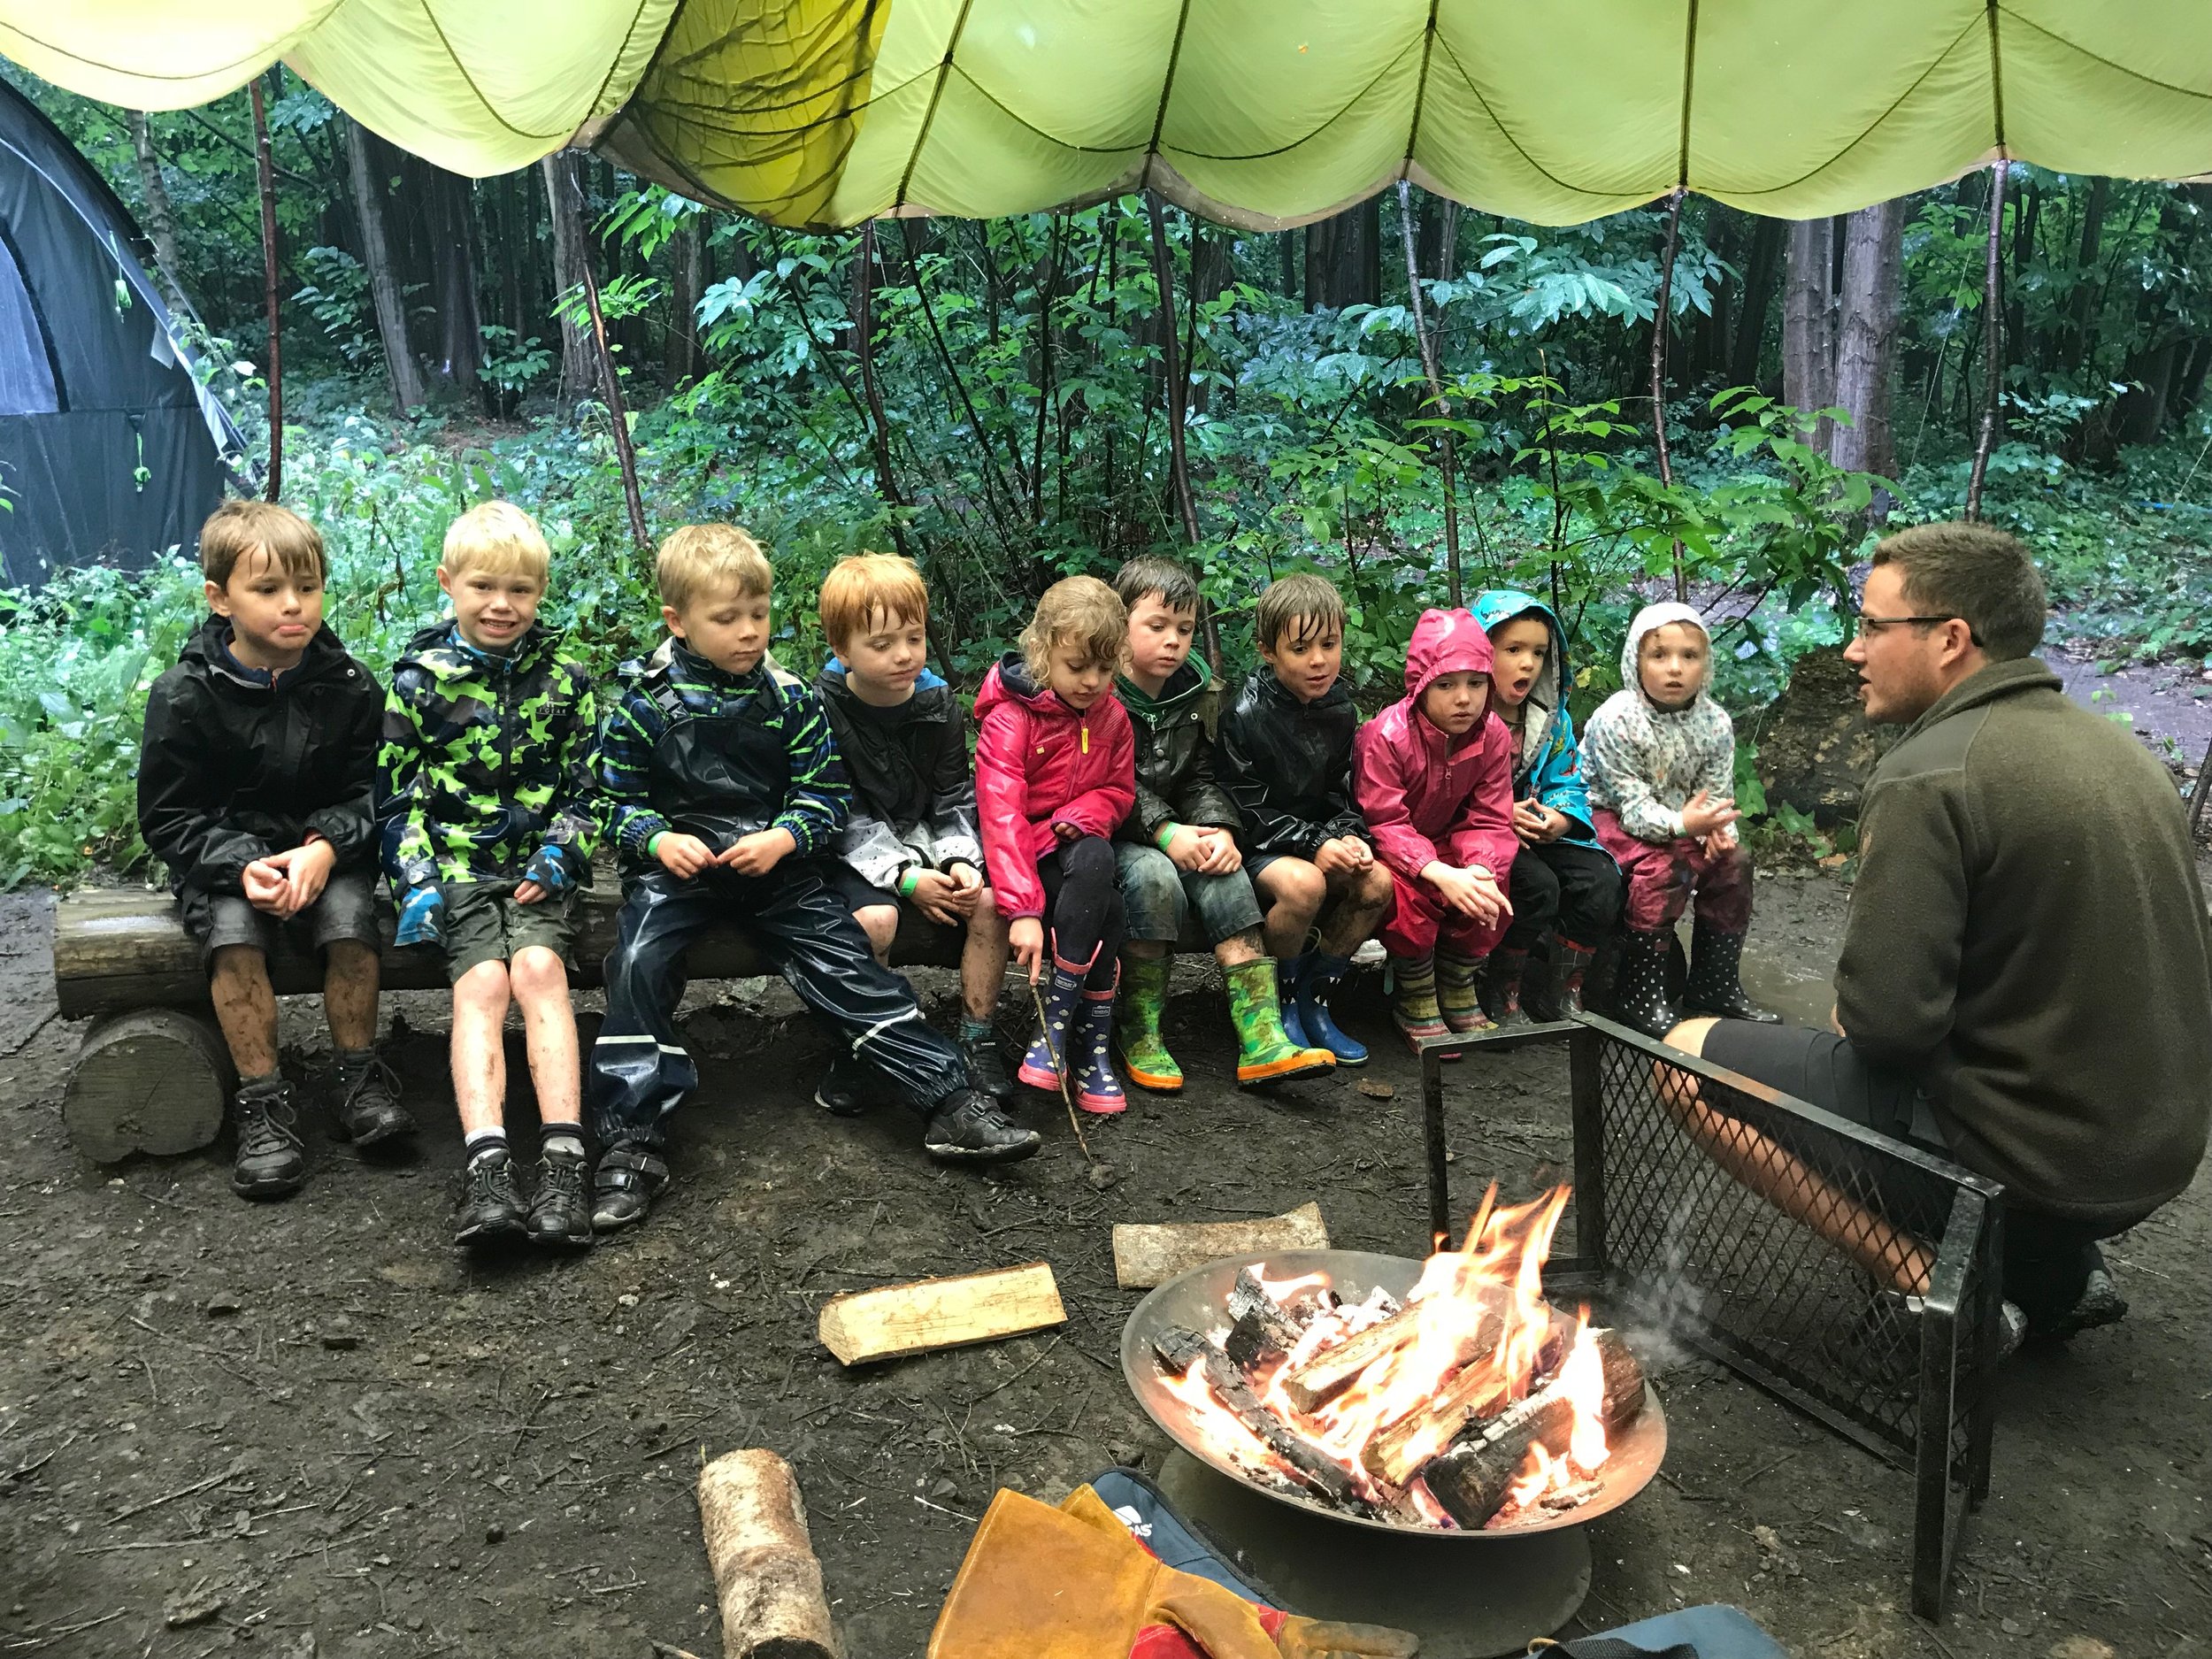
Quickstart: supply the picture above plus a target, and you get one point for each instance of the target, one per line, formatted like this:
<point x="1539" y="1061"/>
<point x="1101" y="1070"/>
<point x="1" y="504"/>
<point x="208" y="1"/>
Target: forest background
<point x="1000" y="400"/>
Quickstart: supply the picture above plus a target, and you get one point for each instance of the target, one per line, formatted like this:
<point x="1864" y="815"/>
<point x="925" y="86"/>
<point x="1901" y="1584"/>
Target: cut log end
<point x="152" y="1082"/>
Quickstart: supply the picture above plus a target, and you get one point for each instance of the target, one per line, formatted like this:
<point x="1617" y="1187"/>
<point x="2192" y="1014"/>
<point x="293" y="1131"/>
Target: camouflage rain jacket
<point x="485" y="759"/>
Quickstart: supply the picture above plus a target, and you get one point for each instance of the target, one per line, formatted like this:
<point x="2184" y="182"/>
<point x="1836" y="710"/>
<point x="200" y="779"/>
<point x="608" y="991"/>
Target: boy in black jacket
<point x="254" y="787"/>
<point x="1287" y="759"/>
<point x="911" y="839"/>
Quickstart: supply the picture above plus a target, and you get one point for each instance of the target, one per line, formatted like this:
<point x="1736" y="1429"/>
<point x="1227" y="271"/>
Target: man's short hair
<point x="1301" y="605"/>
<point x="700" y="558"/>
<point x="859" y="588"/>
<point x="1079" y="611"/>
<point x="237" y="528"/>
<point x="1170" y="579"/>
<point x="499" y="539"/>
<point x="1982" y="576"/>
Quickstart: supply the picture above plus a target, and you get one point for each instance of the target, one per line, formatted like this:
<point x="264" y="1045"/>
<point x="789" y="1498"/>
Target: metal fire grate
<point x="1662" y="1227"/>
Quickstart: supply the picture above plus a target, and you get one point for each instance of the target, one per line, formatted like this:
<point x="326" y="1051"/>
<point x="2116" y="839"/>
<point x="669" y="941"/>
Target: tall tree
<point x="1866" y="335"/>
<point x="1808" y="328"/>
<point x="686" y="274"/>
<point x="376" y="256"/>
<point x="453" y="242"/>
<point x="1762" y="269"/>
<point x="580" y="369"/>
<point x="1344" y="257"/>
<point x="161" y="216"/>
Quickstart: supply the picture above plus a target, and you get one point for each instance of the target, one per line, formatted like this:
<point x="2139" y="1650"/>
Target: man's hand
<point x="967" y="886"/>
<point x="1469" y="892"/>
<point x="1536" y="824"/>
<point x="306" y="869"/>
<point x="1025" y="938"/>
<point x="1347" y="854"/>
<point x="682" y="855"/>
<point x="1223" y="855"/>
<point x="1701" y="815"/>
<point x="936" y="895"/>
<point x="756" y="855"/>
<point x="264" y="887"/>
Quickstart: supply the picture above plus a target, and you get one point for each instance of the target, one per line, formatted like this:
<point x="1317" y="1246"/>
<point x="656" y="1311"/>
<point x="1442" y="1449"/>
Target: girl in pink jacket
<point x="1434" y="774"/>
<point x="1054" y="775"/>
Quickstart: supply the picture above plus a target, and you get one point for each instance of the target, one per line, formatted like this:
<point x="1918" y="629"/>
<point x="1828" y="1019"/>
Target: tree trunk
<point x="580" y="369"/>
<point x="1762" y="269"/>
<point x="1808" y="323"/>
<point x="2083" y="300"/>
<point x="1287" y="246"/>
<point x="453" y="258"/>
<point x="161" y="217"/>
<point x="1344" y="258"/>
<point x="376" y="256"/>
<point x="687" y="281"/>
<point x="1866" y="343"/>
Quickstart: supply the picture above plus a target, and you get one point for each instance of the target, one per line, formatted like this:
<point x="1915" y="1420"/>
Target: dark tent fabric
<point x="110" y="450"/>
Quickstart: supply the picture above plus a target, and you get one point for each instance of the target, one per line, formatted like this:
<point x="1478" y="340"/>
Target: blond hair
<point x="1079" y="611"/>
<point x="239" y="527"/>
<point x="858" y="587"/>
<point x="499" y="539"/>
<point x="1303" y="605"/>
<point x="700" y="558"/>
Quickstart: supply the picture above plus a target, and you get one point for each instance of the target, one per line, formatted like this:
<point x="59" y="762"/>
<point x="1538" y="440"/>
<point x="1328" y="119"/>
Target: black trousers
<point x="1557" y="885"/>
<point x="1083" y="906"/>
<point x="639" y="1073"/>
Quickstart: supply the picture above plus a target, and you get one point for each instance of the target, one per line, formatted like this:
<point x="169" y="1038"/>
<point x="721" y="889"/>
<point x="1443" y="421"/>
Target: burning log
<point x="1264" y="1329"/>
<point x="1473" y="1478"/>
<point x="1477" y="1393"/>
<point x="1178" y="1350"/>
<point x="1330" y="1372"/>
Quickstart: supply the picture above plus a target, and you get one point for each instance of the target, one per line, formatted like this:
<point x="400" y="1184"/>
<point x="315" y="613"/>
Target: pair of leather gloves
<point x="1072" y="1583"/>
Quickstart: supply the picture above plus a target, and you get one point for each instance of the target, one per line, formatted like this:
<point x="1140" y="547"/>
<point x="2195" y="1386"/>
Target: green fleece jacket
<point x="2028" y="936"/>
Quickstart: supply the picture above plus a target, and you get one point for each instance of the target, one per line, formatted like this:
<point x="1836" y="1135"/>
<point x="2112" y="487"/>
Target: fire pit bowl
<point x="1197" y="1301"/>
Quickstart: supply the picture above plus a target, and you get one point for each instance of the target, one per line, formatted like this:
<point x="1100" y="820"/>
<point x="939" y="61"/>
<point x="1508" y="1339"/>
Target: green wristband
<point x="908" y="882"/>
<point x="653" y="843"/>
<point x="1166" y="834"/>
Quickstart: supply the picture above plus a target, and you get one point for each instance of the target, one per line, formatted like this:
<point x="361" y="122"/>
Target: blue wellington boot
<point x="1049" y="1050"/>
<point x="1316" y="983"/>
<point x="1289" y="972"/>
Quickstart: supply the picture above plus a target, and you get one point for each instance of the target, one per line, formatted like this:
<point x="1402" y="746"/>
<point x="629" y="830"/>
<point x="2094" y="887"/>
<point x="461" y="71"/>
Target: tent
<point x="109" y="448"/>
<point x="1259" y="112"/>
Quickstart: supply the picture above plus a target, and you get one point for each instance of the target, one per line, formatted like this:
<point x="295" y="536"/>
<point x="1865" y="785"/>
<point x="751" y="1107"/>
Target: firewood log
<point x="1263" y="1329"/>
<point x="1178" y="1350"/>
<point x="1472" y="1478"/>
<point x="1331" y="1372"/>
<point x="765" y="1574"/>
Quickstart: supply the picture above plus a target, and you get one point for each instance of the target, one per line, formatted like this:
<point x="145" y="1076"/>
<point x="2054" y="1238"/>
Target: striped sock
<point x="484" y="1142"/>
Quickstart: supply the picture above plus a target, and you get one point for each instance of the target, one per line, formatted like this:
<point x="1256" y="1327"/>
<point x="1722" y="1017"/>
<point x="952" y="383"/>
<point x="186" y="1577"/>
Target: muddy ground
<point x="317" y="1418"/>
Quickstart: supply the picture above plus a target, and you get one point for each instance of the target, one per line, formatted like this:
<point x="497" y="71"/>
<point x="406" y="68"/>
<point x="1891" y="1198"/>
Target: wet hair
<point x="238" y="527"/>
<point x="1079" y="611"/>
<point x="700" y="558"/>
<point x="1981" y="576"/>
<point x="499" y="539"/>
<point x="858" y="587"/>
<point x="1170" y="579"/>
<point x="1301" y="605"/>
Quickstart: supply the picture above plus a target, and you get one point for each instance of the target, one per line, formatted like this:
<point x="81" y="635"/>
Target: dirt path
<point x="320" y="1416"/>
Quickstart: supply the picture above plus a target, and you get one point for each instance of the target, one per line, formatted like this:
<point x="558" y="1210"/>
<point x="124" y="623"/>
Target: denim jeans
<point x="1156" y="896"/>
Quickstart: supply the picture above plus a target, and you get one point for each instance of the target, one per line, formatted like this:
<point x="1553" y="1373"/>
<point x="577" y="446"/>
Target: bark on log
<point x="150" y="1081"/>
<point x="1330" y="1372"/>
<point x="1178" y="1350"/>
<point x="1145" y="1255"/>
<point x="1263" y="1329"/>
<point x="766" y="1575"/>
<point x="1472" y="1478"/>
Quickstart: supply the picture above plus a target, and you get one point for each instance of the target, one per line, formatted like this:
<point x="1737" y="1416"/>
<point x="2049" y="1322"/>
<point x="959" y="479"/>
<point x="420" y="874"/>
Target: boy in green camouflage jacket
<point x="488" y="827"/>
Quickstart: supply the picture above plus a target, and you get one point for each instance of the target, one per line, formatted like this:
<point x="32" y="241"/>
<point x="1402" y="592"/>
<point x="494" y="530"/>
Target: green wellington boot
<point x="1137" y="1039"/>
<point x="1265" y="1053"/>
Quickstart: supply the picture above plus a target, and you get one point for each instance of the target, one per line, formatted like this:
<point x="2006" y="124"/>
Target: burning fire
<point x="1482" y="1336"/>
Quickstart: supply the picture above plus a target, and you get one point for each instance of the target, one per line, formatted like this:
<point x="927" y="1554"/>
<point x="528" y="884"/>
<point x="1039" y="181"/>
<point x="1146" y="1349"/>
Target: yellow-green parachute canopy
<point x="1258" y="112"/>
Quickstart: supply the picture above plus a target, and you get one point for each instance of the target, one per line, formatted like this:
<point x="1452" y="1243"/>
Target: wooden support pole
<point x="626" y="453"/>
<point x="1448" y="454"/>
<point x="265" y="167"/>
<point x="1993" y="340"/>
<point x="1659" y="370"/>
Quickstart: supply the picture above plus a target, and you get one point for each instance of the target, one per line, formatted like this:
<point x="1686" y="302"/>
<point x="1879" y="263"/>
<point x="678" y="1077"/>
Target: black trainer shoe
<point x="366" y="1093"/>
<point x="269" y="1161"/>
<point x="849" y="1087"/>
<point x="969" y="1128"/>
<point x="624" y="1186"/>
<point x="491" y="1209"/>
<point x="560" y="1213"/>
<point x="987" y="1065"/>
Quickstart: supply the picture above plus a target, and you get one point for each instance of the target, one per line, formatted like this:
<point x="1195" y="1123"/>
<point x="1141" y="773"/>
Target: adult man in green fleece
<point x="2027" y="977"/>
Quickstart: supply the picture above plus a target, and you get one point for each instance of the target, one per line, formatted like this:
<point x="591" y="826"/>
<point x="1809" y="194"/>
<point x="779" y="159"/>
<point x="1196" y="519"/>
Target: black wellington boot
<point x="1716" y="983"/>
<point x="1552" y="988"/>
<point x="1639" y="987"/>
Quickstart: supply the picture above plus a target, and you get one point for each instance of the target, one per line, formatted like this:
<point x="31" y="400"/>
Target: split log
<point x="766" y="1575"/>
<point x="1264" y="1329"/>
<point x="1180" y="1350"/>
<point x="1330" y="1372"/>
<point x="1473" y="1477"/>
<point x="1476" y="1393"/>
<point x="1145" y="1255"/>
<point x="931" y="1314"/>
<point x="152" y="1082"/>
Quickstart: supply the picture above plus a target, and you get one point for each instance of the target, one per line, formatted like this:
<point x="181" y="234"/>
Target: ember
<point x="1472" y="1405"/>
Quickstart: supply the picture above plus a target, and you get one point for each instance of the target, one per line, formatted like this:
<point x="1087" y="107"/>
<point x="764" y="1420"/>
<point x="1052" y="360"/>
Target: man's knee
<point x="239" y="965"/>
<point x="1374" y="887"/>
<point x="1690" y="1035"/>
<point x="881" y="923"/>
<point x="985" y="911"/>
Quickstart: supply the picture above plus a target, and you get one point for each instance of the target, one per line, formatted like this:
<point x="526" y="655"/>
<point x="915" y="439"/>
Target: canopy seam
<point x="275" y="54"/>
<point x="936" y="94"/>
<point x="469" y="80"/>
<point x="2099" y="58"/>
<point x="615" y="57"/>
<point x="1167" y="91"/>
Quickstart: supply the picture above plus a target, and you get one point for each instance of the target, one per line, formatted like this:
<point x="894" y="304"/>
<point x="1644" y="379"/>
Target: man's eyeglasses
<point x="1866" y="625"/>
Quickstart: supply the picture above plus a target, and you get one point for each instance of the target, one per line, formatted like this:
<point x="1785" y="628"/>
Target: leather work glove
<point x="1071" y="1583"/>
<point x="421" y="917"/>
<point x="549" y="869"/>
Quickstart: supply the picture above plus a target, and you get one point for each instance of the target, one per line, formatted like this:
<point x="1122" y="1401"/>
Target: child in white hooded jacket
<point x="1661" y="756"/>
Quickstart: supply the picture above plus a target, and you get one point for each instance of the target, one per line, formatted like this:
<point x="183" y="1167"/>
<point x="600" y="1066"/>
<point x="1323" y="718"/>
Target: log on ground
<point x="931" y="1314"/>
<point x="1149" y="1255"/>
<point x="153" y="1082"/>
<point x="765" y="1574"/>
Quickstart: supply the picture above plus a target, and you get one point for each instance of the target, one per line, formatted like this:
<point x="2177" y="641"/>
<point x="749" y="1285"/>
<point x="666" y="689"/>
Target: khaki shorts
<point x="484" y="923"/>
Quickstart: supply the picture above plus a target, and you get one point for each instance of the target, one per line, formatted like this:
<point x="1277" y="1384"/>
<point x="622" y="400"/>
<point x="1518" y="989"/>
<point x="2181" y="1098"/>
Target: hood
<point x="208" y="650"/>
<point x="1010" y="681"/>
<point x="1495" y="607"/>
<point x="441" y="650"/>
<point x="1184" y="687"/>
<point x="831" y="679"/>
<point x="1444" y="643"/>
<point x="1647" y="620"/>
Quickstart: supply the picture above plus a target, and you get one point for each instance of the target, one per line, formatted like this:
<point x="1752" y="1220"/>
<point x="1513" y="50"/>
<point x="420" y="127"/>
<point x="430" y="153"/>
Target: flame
<point x="1582" y="1379"/>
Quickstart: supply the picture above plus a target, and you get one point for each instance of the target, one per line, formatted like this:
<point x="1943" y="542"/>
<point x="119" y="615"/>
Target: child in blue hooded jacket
<point x="1566" y="889"/>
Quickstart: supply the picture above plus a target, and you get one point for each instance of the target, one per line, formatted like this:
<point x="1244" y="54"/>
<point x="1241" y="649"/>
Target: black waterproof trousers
<point x="639" y="1071"/>
<point x="1559" y="885"/>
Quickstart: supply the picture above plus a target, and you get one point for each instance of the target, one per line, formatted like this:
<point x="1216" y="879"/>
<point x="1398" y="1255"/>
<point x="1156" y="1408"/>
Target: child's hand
<point x="1066" y="831"/>
<point x="1471" y="894"/>
<point x="542" y="876"/>
<point x="1536" y="824"/>
<point x="1186" y="847"/>
<point x="967" y="887"/>
<point x="682" y="855"/>
<point x="306" y="869"/>
<point x="936" y="896"/>
<point x="756" y="855"/>
<point x="1345" y="853"/>
<point x="1701" y="815"/>
<point x="1025" y="938"/>
<point x="1223" y="855"/>
<point x="263" y="885"/>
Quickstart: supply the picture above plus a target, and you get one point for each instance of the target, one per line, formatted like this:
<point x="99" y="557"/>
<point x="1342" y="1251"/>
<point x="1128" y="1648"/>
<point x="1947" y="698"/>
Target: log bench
<point x="152" y="1074"/>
